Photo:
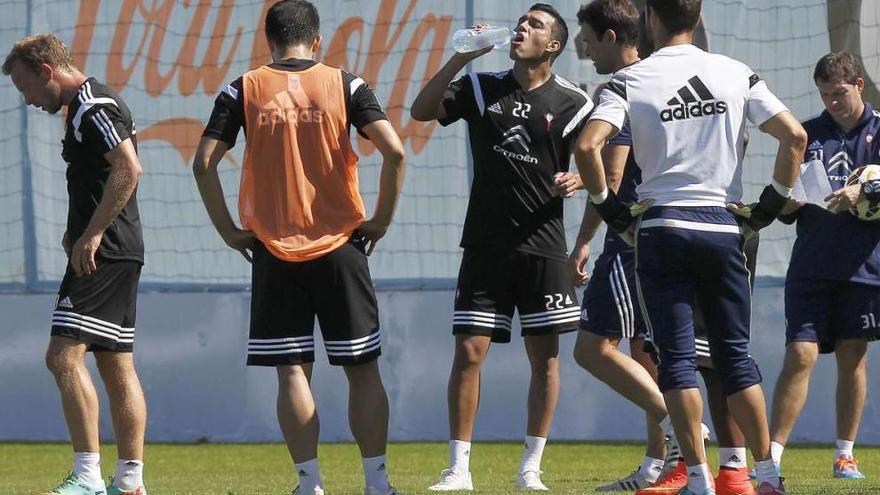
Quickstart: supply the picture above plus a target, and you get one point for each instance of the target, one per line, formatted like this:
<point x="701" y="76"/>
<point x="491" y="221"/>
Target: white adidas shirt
<point x="687" y="112"/>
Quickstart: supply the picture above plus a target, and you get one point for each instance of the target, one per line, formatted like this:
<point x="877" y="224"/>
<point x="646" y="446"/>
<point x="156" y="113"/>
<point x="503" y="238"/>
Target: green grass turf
<point x="266" y="468"/>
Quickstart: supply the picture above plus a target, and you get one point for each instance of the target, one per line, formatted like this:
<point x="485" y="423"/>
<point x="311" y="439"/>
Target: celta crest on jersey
<point x="687" y="105"/>
<point x="516" y="136"/>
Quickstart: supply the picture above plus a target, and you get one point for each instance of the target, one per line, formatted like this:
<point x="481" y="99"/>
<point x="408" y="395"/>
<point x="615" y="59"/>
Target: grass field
<point x="266" y="469"/>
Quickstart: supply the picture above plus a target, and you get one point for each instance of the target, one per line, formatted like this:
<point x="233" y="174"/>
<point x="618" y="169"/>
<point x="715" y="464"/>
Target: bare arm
<point x="588" y="155"/>
<point x="121" y="183"/>
<point x="775" y="198"/>
<point x="208" y="156"/>
<point x="792" y="142"/>
<point x="427" y="105"/>
<point x="614" y="158"/>
<point x="383" y="136"/>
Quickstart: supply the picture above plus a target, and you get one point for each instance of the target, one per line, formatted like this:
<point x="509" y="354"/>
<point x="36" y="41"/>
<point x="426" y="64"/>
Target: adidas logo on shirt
<point x="687" y="105"/>
<point x="65" y="303"/>
<point x="495" y="108"/>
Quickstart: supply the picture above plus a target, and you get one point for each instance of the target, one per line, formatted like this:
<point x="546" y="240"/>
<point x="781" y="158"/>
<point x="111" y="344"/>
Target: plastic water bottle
<point x="471" y="40"/>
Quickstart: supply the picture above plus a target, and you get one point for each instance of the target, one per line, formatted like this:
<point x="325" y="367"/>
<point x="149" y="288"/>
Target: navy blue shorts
<point x="825" y="311"/>
<point x="701" y="326"/>
<point x="493" y="283"/>
<point x="611" y="308"/>
<point x="682" y="252"/>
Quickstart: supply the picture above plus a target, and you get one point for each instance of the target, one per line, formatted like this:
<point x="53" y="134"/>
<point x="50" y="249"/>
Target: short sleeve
<point x="227" y="118"/>
<point x="361" y="103"/>
<point x="624" y="137"/>
<point x="577" y="123"/>
<point x="613" y="106"/>
<point x="458" y="100"/>
<point x="105" y="127"/>
<point x="761" y="104"/>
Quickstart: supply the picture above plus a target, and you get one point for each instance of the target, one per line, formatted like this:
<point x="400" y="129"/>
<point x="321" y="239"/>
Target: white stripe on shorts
<point x="286" y="345"/>
<point x="621" y="296"/>
<point x="354" y="347"/>
<point x="548" y="318"/>
<point x="94" y="326"/>
<point x="482" y="319"/>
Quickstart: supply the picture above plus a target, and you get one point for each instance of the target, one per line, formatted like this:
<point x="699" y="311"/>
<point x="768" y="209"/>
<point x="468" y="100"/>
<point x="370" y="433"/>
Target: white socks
<point x="460" y="456"/>
<point x="734" y="458"/>
<point x="699" y="478"/>
<point x="666" y="426"/>
<point x="129" y="474"/>
<point x="375" y="475"/>
<point x="766" y="471"/>
<point x="87" y="467"/>
<point x="844" y="447"/>
<point x="776" y="450"/>
<point x="531" y="459"/>
<point x="651" y="468"/>
<point x="309" y="476"/>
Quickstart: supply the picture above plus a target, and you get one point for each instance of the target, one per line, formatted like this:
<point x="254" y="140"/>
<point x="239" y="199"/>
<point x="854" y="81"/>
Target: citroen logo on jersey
<point x="840" y="166"/>
<point x="517" y="137"/>
<point x="687" y="105"/>
<point x="518" y="134"/>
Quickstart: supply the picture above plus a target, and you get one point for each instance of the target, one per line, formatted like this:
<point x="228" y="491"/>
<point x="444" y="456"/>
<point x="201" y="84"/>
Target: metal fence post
<point x="27" y="188"/>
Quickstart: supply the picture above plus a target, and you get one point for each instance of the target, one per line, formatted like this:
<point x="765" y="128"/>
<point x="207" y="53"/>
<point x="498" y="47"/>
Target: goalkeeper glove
<point x="619" y="215"/>
<point x="761" y="214"/>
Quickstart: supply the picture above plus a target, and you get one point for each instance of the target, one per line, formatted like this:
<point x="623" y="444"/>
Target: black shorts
<point x="492" y="283"/>
<point x="99" y="309"/>
<point x="701" y="331"/>
<point x="287" y="296"/>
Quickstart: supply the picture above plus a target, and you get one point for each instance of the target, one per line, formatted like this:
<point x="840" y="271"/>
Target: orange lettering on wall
<point x="85" y="30"/>
<point x="418" y="131"/>
<point x="156" y="21"/>
<point x="368" y="58"/>
<point x="381" y="45"/>
<point x="211" y="72"/>
<point x="260" y="49"/>
<point x="337" y="51"/>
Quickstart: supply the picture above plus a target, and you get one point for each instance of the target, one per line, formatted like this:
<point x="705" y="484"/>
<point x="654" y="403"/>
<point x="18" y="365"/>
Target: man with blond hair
<point x="95" y="309"/>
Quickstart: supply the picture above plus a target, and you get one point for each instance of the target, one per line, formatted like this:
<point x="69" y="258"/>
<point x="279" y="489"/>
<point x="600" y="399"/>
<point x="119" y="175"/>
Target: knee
<point x="469" y="356"/>
<point x="677" y="374"/>
<point x="59" y="362"/>
<point x="800" y="357"/>
<point x="851" y="349"/>
<point x="363" y="374"/>
<point x="588" y="353"/>
<point x="851" y="354"/>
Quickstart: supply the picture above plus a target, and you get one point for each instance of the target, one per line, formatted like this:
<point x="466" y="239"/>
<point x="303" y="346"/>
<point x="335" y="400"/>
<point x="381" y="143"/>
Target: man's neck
<point x="683" y="38"/>
<point x="530" y="76"/>
<point x="852" y="121"/>
<point x="300" y="51"/>
<point x="70" y="83"/>
<point x="626" y="57"/>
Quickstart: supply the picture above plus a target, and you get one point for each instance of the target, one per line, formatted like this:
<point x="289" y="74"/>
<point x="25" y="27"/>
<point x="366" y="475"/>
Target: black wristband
<point x="768" y="207"/>
<point x="614" y="212"/>
<point x="871" y="190"/>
